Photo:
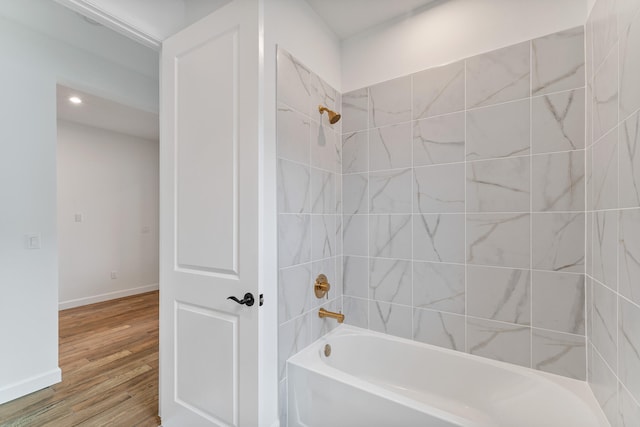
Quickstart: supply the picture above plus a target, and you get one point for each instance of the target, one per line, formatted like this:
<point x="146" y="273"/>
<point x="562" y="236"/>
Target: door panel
<point x="209" y="186"/>
<point x="207" y="109"/>
<point x="207" y="373"/>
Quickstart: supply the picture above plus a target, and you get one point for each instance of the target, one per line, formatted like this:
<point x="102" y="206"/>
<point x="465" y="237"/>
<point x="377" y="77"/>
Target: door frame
<point x="268" y="239"/>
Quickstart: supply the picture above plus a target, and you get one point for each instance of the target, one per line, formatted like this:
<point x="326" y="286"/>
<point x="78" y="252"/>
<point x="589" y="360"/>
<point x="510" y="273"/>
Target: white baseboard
<point x="63" y="305"/>
<point x="29" y="385"/>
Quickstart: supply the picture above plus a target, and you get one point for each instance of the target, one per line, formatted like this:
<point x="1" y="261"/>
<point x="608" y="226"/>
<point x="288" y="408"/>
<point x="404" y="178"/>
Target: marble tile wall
<point x="464" y="204"/>
<point x="613" y="208"/>
<point x="309" y="209"/>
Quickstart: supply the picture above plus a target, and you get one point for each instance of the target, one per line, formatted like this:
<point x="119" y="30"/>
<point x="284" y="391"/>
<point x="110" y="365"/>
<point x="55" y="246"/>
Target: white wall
<point x="449" y="31"/>
<point x="30" y="67"/>
<point x="111" y="179"/>
<point x="28" y="278"/>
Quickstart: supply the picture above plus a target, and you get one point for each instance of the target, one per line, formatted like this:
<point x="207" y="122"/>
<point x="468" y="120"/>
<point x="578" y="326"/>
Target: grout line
<point x="531" y="282"/>
<point x="466" y="283"/>
<point x="413" y="208"/>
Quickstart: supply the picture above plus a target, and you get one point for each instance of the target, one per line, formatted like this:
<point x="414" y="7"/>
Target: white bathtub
<point x="371" y="379"/>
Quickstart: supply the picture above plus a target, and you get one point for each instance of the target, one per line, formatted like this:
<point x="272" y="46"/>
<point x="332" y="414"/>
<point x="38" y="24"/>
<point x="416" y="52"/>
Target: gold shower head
<point x="333" y="116"/>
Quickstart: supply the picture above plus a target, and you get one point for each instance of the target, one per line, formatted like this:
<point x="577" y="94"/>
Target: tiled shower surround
<point x="457" y="197"/>
<point x="463" y="190"/>
<point x="613" y="208"/>
<point x="309" y="206"/>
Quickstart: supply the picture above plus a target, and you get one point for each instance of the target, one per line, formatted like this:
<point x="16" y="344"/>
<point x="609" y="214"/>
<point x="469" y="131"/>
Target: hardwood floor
<point x="109" y="361"/>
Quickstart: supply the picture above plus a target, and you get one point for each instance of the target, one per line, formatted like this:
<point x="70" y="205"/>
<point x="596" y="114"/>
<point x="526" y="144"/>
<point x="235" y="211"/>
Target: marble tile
<point x="630" y="68"/>
<point x="629" y="346"/>
<point x="629" y="413"/>
<point x="502" y="294"/>
<point x="499" y="341"/>
<point x="498" y="76"/>
<point x="558" y="242"/>
<point x="322" y="94"/>
<point x="355" y="235"/>
<point x="558" y="61"/>
<point x="325" y="148"/>
<point x="439" y="287"/>
<point x="439" y="140"/>
<point x="589" y="307"/>
<point x="559" y="353"/>
<point x="355" y="152"/>
<point x="438" y="90"/>
<point x="356" y="311"/>
<point x="605" y="96"/>
<point x="293" y="336"/>
<point x="557" y="122"/>
<point x="390" y="102"/>
<point x="558" y="182"/>
<point x="589" y="113"/>
<point x="589" y="218"/>
<point x="323" y="192"/>
<point x="439" y="237"/>
<point x="282" y="403"/>
<point x="439" y="189"/>
<point x="293" y="187"/>
<point x="390" y="236"/>
<point x="355" y="194"/>
<point x="498" y="239"/>
<point x="293" y="87"/>
<point x="293" y="135"/>
<point x="390" y="319"/>
<point x="390" y="280"/>
<point x="339" y="240"/>
<point x="498" y="131"/>
<point x="338" y="284"/>
<point x="589" y="202"/>
<point x="323" y="236"/>
<point x="441" y="329"/>
<point x="604" y="386"/>
<point x="605" y="29"/>
<point x="500" y="185"/>
<point x="294" y="239"/>
<point x="629" y="254"/>
<point x="605" y="247"/>
<point x="339" y="206"/>
<point x="390" y="147"/>
<point x="629" y="162"/>
<point x="605" y="172"/>
<point x="294" y="292"/>
<point x="355" y="110"/>
<point x="627" y="10"/>
<point x="558" y="301"/>
<point x="605" y="324"/>
<point x="390" y="191"/>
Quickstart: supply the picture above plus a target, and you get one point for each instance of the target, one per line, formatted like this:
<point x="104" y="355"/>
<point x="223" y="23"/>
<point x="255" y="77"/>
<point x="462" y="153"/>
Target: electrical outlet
<point x="114" y="275"/>
<point x="78" y="217"/>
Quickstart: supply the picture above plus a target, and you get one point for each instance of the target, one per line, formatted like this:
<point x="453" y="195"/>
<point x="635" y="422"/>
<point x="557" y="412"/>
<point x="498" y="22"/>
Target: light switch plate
<point x="32" y="241"/>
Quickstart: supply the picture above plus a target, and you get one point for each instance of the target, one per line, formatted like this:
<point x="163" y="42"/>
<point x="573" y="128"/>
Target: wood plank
<point x="109" y="359"/>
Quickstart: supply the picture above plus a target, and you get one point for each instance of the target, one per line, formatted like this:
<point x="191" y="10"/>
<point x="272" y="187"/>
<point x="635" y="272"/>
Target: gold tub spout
<point x="326" y="313"/>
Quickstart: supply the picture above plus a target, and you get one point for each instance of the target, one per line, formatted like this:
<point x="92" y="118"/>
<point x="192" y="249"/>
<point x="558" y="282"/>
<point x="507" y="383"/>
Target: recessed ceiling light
<point x="75" y="100"/>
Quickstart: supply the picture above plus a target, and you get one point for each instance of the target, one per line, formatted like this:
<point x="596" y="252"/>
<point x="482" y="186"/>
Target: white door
<point x="209" y="221"/>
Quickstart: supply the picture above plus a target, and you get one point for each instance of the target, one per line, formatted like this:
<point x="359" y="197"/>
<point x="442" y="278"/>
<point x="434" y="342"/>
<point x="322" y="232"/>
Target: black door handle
<point x="247" y="300"/>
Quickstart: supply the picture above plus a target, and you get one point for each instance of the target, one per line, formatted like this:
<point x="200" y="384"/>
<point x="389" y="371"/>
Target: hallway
<point x="109" y="361"/>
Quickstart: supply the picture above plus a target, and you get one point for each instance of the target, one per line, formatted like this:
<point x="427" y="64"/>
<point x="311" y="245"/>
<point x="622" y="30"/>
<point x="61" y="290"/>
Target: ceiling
<point x="105" y="114"/>
<point x="350" y="17"/>
<point x="60" y="23"/>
